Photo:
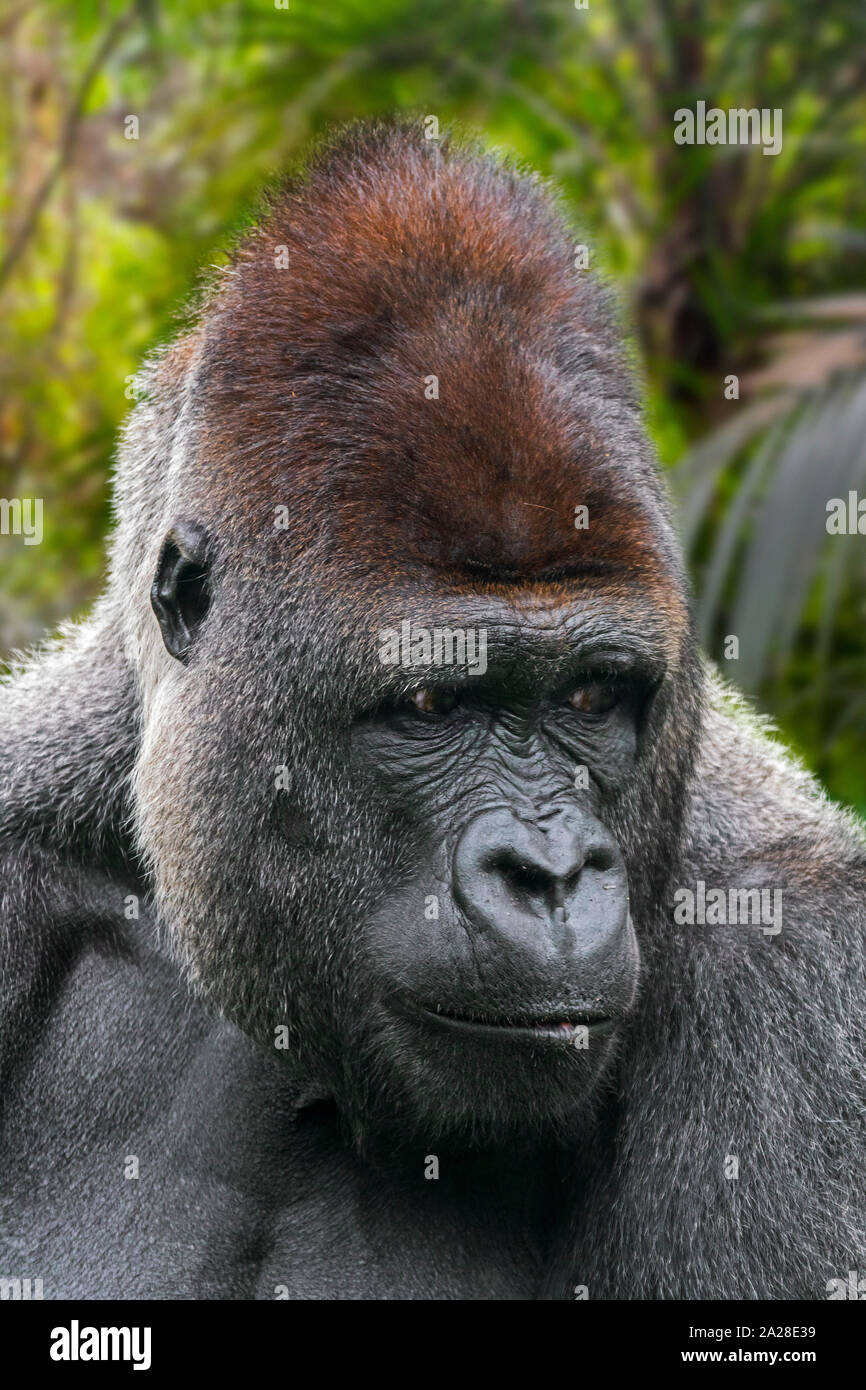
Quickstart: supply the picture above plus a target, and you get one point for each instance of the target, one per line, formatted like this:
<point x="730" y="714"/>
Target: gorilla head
<point x="419" y="688"/>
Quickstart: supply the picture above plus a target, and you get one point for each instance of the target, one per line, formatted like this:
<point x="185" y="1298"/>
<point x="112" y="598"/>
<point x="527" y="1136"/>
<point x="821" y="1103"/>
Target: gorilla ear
<point x="180" y="593"/>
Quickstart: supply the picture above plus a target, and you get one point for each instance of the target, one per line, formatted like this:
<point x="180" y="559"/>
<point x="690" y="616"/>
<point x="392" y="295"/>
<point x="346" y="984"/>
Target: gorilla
<point x="395" y="904"/>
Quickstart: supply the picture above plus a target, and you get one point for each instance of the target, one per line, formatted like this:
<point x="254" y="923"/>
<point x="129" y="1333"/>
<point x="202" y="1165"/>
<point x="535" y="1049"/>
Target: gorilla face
<point x="435" y="901"/>
<point x="507" y="959"/>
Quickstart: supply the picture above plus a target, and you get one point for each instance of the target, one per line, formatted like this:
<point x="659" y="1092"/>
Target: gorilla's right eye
<point x="595" y="697"/>
<point x="429" y="700"/>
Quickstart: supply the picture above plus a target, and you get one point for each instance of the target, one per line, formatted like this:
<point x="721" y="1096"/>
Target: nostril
<point x="525" y="879"/>
<point x="601" y="858"/>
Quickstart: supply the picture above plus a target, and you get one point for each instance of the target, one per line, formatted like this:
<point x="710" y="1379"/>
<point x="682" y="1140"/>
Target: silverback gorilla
<point x="348" y="846"/>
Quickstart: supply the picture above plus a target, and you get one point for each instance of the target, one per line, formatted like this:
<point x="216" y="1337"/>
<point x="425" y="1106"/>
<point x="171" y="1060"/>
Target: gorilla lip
<point x="545" y="1029"/>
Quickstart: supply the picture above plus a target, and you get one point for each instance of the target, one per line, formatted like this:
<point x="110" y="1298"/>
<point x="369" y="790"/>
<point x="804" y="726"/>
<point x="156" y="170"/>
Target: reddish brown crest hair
<point x="410" y="259"/>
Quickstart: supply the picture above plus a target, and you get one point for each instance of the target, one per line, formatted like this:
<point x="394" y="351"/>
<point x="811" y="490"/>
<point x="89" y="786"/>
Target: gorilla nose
<point x="555" y="885"/>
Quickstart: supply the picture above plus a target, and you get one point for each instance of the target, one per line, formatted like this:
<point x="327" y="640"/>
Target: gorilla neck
<point x="521" y="1188"/>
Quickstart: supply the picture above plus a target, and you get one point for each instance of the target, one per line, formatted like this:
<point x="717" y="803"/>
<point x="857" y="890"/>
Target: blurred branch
<point x="71" y="126"/>
<point x="11" y="21"/>
<point x="67" y="277"/>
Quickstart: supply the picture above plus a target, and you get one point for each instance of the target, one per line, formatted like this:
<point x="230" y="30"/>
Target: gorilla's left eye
<point x="597" y="697"/>
<point x="429" y="700"/>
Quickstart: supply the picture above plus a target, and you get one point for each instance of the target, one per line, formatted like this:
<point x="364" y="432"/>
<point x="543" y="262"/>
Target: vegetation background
<point x="728" y="262"/>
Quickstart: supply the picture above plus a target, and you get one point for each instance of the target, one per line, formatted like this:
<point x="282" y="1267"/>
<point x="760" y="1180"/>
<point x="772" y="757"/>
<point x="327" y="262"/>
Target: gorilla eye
<point x="594" y="698"/>
<point x="429" y="700"/>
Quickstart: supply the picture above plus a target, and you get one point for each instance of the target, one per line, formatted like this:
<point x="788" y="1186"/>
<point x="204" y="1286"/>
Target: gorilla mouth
<point x="543" y="1028"/>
